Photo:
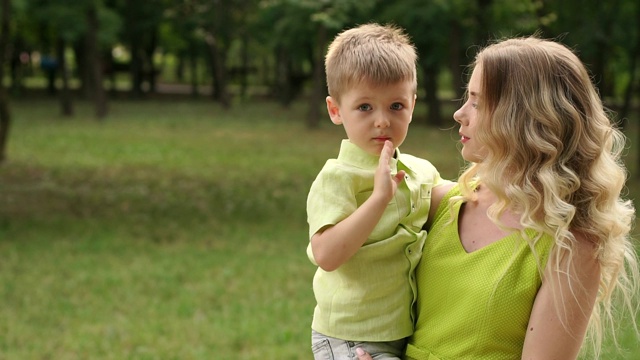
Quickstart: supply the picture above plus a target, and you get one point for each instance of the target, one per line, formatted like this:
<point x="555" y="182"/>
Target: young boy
<point x="367" y="207"/>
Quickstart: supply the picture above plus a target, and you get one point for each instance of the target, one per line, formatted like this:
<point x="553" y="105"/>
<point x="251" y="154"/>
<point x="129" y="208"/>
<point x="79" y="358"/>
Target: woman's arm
<point x="437" y="194"/>
<point x="557" y="332"/>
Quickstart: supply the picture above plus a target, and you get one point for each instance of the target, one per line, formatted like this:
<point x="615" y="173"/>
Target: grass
<point x="172" y="230"/>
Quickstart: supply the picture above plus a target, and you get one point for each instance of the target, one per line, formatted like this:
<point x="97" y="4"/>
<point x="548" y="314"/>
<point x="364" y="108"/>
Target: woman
<point x="525" y="253"/>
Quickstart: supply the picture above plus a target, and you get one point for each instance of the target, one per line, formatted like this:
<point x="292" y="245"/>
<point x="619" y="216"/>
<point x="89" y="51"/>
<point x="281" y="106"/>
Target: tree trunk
<point x="84" y="68"/>
<point x="542" y="12"/>
<point x="455" y="63"/>
<point x="282" y="84"/>
<point x="315" y="100"/>
<point x="135" y="43"/>
<point x="219" y="86"/>
<point x="244" y="75"/>
<point x="483" y="21"/>
<point x="430" y="71"/>
<point x="179" y="70"/>
<point x="632" y="84"/>
<point x="150" y="50"/>
<point x="66" y="106"/>
<point x="95" y="63"/>
<point x="603" y="48"/>
<point x="218" y="44"/>
<point x="16" y="68"/>
<point x="136" y="68"/>
<point x="634" y="55"/>
<point x="5" y="115"/>
<point x="193" y="68"/>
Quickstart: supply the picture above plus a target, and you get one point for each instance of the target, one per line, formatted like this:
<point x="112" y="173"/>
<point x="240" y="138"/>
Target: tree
<point x="606" y="36"/>
<point x="290" y="38"/>
<point x="214" y="24"/>
<point x="95" y="62"/>
<point x="180" y="36"/>
<point x="5" y="115"/>
<point x="633" y="59"/>
<point x="424" y="24"/>
<point x="142" y="20"/>
<point x="66" y="104"/>
<point x="302" y="30"/>
<point x="217" y="37"/>
<point x="54" y="17"/>
<point x="52" y="27"/>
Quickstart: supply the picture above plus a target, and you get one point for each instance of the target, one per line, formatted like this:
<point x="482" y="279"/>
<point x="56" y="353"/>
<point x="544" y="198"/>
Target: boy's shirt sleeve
<point x="331" y="198"/>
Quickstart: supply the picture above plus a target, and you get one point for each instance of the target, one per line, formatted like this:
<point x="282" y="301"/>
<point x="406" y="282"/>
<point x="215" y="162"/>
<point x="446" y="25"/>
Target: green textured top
<point x="474" y="305"/>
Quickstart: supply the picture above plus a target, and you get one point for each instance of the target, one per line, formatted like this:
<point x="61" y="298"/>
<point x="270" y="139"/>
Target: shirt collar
<point x="353" y="155"/>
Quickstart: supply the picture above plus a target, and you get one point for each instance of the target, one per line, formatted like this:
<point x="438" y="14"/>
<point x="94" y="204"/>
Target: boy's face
<point x="372" y="114"/>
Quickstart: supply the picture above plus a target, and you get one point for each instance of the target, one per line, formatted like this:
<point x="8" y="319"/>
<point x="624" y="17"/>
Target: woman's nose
<point x="457" y="116"/>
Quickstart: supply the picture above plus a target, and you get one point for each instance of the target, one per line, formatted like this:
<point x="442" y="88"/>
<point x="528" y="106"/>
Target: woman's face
<point x="467" y="116"/>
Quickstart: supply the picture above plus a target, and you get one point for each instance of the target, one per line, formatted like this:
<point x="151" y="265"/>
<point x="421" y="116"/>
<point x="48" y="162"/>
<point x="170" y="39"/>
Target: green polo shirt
<point x="370" y="297"/>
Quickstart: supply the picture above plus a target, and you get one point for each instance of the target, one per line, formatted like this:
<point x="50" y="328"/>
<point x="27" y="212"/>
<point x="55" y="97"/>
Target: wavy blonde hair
<point x="373" y="53"/>
<point x="554" y="156"/>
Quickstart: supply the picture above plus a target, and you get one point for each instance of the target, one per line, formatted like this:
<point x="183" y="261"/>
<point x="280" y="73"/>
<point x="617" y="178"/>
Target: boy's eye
<point x="397" y="106"/>
<point x="364" y="107"/>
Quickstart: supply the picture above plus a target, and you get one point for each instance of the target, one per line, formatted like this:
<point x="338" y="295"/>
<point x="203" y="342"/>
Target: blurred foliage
<point x="250" y="32"/>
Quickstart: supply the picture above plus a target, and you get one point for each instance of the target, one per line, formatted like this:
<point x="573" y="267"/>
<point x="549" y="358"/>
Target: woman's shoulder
<point x="585" y="247"/>
<point x="438" y="193"/>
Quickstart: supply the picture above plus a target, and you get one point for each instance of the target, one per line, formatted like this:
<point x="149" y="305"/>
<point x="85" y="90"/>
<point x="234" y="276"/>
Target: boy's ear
<point x="333" y="108"/>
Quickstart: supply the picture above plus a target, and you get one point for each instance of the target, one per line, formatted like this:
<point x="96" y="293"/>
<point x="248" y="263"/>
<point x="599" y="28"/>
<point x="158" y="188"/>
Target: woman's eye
<point x="364" y="107"/>
<point x="396" y="106"/>
<point x="474" y="105"/>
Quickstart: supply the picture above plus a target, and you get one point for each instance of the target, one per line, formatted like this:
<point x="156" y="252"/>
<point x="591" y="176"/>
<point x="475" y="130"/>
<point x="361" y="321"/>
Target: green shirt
<point x="474" y="306"/>
<point x="369" y="297"/>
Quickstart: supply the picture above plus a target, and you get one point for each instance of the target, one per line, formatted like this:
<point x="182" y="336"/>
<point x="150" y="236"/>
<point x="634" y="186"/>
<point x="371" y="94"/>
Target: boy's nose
<point x="382" y="121"/>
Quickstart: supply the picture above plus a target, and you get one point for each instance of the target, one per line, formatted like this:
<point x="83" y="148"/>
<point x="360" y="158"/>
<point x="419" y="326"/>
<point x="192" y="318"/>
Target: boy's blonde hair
<point x="554" y="156"/>
<point x="370" y="53"/>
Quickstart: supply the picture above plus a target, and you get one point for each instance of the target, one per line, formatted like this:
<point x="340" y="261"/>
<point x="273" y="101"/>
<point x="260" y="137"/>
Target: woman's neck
<point x="485" y="198"/>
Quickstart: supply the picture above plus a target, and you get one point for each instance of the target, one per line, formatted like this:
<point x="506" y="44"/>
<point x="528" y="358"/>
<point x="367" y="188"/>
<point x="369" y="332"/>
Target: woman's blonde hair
<point x="554" y="156"/>
<point x="371" y="53"/>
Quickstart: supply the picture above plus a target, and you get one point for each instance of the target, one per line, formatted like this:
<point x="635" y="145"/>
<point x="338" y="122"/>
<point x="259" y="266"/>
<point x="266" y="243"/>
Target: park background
<point x="156" y="157"/>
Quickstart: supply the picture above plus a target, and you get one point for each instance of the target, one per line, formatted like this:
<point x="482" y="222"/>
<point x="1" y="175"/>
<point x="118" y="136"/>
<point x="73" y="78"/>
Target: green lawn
<point x="171" y="230"/>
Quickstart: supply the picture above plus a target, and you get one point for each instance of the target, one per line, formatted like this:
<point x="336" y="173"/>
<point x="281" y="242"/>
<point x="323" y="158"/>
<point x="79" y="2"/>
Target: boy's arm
<point x="334" y="245"/>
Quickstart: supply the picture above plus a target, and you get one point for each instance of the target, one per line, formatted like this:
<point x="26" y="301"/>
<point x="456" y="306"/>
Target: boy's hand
<point x="385" y="184"/>
<point x="363" y="355"/>
<point x="336" y="244"/>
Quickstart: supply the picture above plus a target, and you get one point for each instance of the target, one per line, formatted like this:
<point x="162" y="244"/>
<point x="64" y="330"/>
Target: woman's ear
<point x="333" y="108"/>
